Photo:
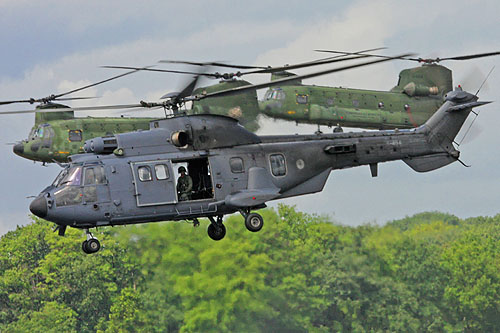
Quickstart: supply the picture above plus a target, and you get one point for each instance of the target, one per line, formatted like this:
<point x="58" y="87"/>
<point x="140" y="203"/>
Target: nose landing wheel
<point x="91" y="245"/>
<point x="216" y="230"/>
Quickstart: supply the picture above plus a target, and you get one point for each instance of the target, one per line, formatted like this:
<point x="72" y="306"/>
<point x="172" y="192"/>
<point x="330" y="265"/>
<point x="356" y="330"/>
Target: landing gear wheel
<point x="84" y="247"/>
<point x="254" y="222"/>
<point x="216" y="232"/>
<point x="91" y="246"/>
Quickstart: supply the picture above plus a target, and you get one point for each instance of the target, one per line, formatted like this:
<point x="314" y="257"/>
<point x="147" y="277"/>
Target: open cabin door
<point x="154" y="183"/>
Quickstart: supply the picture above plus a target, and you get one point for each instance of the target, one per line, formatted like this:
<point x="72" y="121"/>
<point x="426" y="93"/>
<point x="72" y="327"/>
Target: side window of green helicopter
<point x="278" y="165"/>
<point x="74" y="135"/>
<point x="302" y="99"/>
<point x="144" y="173"/>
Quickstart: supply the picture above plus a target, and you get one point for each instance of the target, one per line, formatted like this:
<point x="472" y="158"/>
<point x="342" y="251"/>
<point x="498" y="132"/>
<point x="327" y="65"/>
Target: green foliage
<point x="301" y="273"/>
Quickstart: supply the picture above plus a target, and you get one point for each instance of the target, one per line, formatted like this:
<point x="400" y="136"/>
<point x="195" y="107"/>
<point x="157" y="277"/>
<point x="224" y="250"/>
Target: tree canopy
<point x="301" y="273"/>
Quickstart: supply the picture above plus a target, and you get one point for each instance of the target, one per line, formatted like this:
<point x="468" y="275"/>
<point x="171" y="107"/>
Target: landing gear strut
<point x="216" y="230"/>
<point x="253" y="221"/>
<point x="91" y="245"/>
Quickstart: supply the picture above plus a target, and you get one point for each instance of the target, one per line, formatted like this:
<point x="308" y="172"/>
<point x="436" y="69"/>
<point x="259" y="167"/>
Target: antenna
<point x="476" y="113"/>
<point x="482" y="84"/>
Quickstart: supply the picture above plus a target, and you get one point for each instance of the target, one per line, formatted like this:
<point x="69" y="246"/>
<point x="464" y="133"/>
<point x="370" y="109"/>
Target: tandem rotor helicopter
<point x="139" y="177"/>
<point x="59" y="134"/>
<point x="419" y="93"/>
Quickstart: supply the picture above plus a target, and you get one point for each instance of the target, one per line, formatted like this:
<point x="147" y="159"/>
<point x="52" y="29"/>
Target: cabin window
<point x="236" y="164"/>
<point x="355" y="103"/>
<point x="94" y="176"/>
<point x="75" y="135"/>
<point x="329" y="101"/>
<point x="302" y="99"/>
<point x="278" y="165"/>
<point x="144" y="173"/>
<point x="161" y="172"/>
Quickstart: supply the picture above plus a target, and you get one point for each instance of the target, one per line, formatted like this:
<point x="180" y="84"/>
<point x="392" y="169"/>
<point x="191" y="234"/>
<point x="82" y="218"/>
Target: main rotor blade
<point x="100" y="82"/>
<point x="161" y="70"/>
<point x="85" y="108"/>
<point x="362" y="52"/>
<point x="261" y="70"/>
<point x="57" y="97"/>
<point x="217" y="64"/>
<point x="292" y="78"/>
<point x="355" y="53"/>
<point x="471" y="56"/>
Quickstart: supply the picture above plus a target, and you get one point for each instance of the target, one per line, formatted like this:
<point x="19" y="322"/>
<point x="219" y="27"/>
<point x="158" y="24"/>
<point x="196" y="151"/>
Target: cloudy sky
<point x="52" y="46"/>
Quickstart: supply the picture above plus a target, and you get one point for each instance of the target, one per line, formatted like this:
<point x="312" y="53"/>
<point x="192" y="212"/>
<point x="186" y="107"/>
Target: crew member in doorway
<point x="184" y="185"/>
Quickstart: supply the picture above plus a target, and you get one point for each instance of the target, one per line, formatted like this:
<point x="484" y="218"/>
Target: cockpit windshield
<point x="275" y="94"/>
<point x="43" y="131"/>
<point x="69" y="176"/>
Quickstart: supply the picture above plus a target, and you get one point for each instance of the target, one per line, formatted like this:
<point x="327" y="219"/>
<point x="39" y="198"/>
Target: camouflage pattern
<point x="418" y="94"/>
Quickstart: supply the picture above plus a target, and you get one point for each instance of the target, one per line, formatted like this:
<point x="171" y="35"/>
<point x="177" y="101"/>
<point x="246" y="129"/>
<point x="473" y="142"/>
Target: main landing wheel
<point x="254" y="222"/>
<point x="91" y="246"/>
<point x="216" y="231"/>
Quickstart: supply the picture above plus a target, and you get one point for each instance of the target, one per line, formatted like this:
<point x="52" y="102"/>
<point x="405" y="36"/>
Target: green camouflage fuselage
<point x="55" y="140"/>
<point x="349" y="107"/>
<point x="418" y="94"/>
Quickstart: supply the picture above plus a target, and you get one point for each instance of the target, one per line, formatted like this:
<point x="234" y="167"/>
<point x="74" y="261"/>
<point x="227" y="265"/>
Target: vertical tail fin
<point x="442" y="128"/>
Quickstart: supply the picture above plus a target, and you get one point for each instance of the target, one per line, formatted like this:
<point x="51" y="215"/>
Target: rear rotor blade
<point x="217" y="64"/>
<point x="471" y="56"/>
<point x="293" y="78"/>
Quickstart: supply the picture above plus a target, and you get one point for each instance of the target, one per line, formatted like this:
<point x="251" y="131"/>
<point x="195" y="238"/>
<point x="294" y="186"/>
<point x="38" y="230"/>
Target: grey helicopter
<point x="136" y="177"/>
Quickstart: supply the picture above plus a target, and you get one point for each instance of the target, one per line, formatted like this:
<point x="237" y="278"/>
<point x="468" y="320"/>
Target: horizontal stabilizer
<point x="467" y="106"/>
<point x="429" y="162"/>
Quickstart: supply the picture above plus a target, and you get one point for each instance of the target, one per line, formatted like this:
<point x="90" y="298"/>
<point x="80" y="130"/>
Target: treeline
<point x="301" y="273"/>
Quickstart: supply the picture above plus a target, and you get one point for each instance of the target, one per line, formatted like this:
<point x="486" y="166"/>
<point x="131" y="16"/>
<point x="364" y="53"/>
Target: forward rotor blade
<point x="17" y="101"/>
<point x="100" y="82"/>
<point x="293" y="78"/>
<point x="57" y="97"/>
<point x="85" y="108"/>
<point x="161" y="70"/>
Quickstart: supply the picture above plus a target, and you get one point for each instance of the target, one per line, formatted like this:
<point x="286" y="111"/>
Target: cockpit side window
<point x="94" y="175"/>
<point x="268" y="95"/>
<point x="73" y="177"/>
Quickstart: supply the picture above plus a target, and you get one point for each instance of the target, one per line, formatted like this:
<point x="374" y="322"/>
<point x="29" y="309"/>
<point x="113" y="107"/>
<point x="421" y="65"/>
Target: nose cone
<point x="39" y="207"/>
<point x="19" y="149"/>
